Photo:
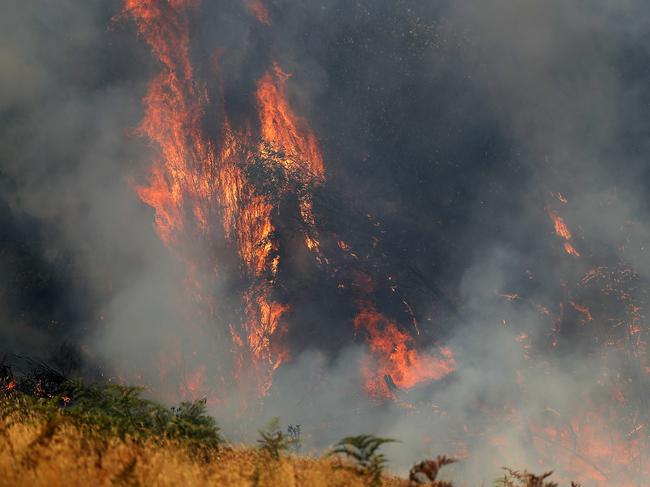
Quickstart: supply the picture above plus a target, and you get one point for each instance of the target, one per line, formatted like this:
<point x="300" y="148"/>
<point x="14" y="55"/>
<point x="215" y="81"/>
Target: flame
<point x="571" y="250"/>
<point x="198" y="187"/>
<point x="195" y="383"/>
<point x="172" y="111"/>
<point x="281" y="129"/>
<point x="560" y="227"/>
<point x="10" y="386"/>
<point x="199" y="179"/>
<point x="394" y="356"/>
<point x="584" y="311"/>
<point x="562" y="231"/>
<point x="593" y="451"/>
<point x="197" y="176"/>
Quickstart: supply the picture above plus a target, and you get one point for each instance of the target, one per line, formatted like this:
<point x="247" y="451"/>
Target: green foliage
<point x="273" y="441"/>
<point x="119" y="410"/>
<point x="363" y="450"/>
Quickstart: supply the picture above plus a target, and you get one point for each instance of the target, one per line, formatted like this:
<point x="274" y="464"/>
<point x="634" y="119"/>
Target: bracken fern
<point x="363" y="450"/>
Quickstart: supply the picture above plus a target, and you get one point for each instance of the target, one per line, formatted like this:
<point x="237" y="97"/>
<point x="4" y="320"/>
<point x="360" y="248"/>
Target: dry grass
<point x="56" y="453"/>
<point x="60" y="432"/>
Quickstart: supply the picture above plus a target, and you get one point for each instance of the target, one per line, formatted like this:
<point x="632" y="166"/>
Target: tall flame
<point x="281" y="129"/>
<point x="199" y="184"/>
<point x="191" y="180"/>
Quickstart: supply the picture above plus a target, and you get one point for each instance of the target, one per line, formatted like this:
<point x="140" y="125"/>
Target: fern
<point x="273" y="441"/>
<point x="363" y="450"/>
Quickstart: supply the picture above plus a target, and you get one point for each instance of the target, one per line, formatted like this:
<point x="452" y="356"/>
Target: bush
<point x="273" y="441"/>
<point x="111" y="409"/>
<point x="362" y="450"/>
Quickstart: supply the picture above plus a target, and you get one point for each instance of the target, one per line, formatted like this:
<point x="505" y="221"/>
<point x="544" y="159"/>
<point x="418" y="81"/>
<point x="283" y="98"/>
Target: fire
<point x="562" y="231"/>
<point x="560" y="227"/>
<point x="592" y="450"/>
<point x="200" y="181"/>
<point x="282" y="130"/>
<point x="172" y="111"/>
<point x="584" y="311"/>
<point x="571" y="250"/>
<point x="197" y="175"/>
<point x="202" y="188"/>
<point x="394" y="358"/>
<point x="10" y="386"/>
<point x="593" y="274"/>
<point x="195" y="383"/>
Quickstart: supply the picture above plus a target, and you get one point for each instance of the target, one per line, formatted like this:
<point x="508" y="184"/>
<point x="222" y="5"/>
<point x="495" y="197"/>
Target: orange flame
<point x="560" y="226"/>
<point x="562" y="231"/>
<point x="197" y="185"/>
<point x="191" y="180"/>
<point x="584" y="311"/>
<point x="395" y="357"/>
<point x="10" y="386"/>
<point x="571" y="250"/>
<point x="592" y="451"/>
<point x="198" y="181"/>
<point x="281" y="129"/>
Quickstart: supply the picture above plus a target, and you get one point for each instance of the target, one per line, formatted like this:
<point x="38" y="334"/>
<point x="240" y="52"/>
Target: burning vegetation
<point x="242" y="191"/>
<point x="232" y="198"/>
<point x="221" y="193"/>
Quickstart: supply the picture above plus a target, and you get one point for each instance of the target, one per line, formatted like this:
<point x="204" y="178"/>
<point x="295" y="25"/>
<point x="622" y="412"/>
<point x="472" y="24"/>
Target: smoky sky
<point x="452" y="123"/>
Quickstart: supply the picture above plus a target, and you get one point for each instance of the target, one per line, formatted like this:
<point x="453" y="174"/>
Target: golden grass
<point x="37" y="453"/>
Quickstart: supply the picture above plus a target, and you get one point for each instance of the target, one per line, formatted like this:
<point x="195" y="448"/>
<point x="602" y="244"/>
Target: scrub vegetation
<point x="60" y="432"/>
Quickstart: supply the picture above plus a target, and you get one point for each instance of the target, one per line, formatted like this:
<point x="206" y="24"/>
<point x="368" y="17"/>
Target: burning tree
<point x="231" y="195"/>
<point x="234" y="200"/>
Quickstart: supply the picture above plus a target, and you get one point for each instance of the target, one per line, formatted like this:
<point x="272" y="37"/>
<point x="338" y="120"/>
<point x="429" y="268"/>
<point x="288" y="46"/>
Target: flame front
<point x="198" y="180"/>
<point x="394" y="357"/>
<point x="208" y="203"/>
<point x="282" y="130"/>
<point x="200" y="184"/>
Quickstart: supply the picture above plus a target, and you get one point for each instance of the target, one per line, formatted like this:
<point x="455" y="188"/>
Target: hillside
<point x="57" y="431"/>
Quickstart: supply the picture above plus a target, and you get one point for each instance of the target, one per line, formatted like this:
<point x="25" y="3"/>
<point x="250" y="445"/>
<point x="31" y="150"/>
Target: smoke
<point x="81" y="241"/>
<point x="458" y="125"/>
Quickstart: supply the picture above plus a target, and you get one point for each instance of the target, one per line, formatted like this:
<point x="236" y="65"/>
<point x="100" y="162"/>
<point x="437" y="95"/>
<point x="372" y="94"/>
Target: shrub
<point x="363" y="450"/>
<point x="273" y="441"/>
<point x="112" y="409"/>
